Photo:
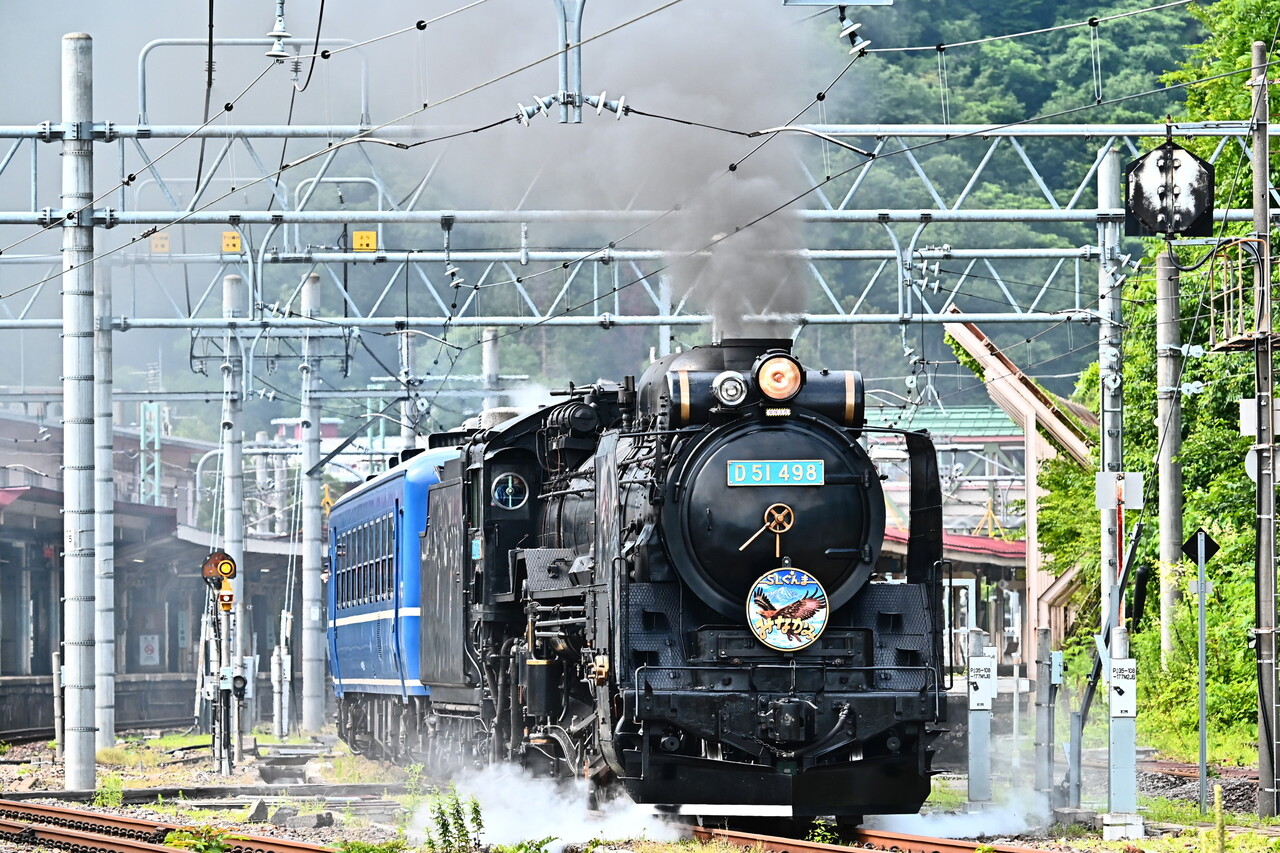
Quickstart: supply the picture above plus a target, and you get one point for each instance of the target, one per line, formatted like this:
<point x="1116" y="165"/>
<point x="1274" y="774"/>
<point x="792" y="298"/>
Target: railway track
<point x="863" y="839"/>
<point x="90" y="832"/>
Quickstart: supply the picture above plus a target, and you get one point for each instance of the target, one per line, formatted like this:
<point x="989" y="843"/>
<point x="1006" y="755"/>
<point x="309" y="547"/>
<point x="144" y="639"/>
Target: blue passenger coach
<point x="374" y="598"/>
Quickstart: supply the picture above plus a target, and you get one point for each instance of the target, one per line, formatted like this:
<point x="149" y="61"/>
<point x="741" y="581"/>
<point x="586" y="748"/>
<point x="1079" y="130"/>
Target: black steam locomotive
<point x="668" y="587"/>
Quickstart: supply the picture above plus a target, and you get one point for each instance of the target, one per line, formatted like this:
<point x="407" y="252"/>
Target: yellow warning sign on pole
<point x="231" y="241"/>
<point x="160" y="243"/>
<point x="364" y="241"/>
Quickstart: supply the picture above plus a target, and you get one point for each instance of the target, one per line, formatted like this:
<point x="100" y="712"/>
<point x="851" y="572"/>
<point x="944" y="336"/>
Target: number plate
<point x="776" y="472"/>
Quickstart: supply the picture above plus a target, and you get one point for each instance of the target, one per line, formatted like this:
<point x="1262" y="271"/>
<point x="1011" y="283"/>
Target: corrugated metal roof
<point x="960" y="421"/>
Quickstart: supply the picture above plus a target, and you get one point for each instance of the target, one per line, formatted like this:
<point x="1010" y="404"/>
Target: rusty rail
<point x="81" y="830"/>
<point x="862" y="838"/>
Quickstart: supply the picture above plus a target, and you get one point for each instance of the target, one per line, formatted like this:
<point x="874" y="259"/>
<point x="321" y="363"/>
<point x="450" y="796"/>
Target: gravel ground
<point x="1238" y="795"/>
<point x="31" y="767"/>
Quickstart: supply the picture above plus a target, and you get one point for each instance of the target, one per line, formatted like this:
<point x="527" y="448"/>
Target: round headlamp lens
<point x="730" y="388"/>
<point x="779" y="377"/>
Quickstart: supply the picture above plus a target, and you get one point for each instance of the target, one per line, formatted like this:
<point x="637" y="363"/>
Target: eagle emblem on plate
<point x="787" y="609"/>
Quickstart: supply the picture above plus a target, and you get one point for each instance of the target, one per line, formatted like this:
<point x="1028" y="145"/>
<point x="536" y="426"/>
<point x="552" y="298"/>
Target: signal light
<point x="218" y="565"/>
<point x="779" y="377"/>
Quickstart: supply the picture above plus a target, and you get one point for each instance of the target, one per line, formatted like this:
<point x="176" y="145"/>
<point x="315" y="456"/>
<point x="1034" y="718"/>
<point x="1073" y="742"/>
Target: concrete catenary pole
<point x="261" y="485"/>
<point x="234" y="306"/>
<point x="1169" y="432"/>
<point x="77" y="396"/>
<point x="313" y="679"/>
<point x="1269" y="738"/>
<point x="104" y="499"/>
<point x="1110" y="363"/>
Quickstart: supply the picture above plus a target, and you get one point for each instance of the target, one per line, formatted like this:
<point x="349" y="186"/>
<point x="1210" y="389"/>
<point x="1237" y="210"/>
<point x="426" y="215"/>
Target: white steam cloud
<point x="517" y="807"/>
<point x="1015" y="816"/>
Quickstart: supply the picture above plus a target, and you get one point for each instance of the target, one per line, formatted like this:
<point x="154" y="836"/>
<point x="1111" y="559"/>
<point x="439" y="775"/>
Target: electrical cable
<point x="362" y="136"/>
<point x="1091" y="22"/>
<point x="314" y="53"/>
<point x="132" y="177"/>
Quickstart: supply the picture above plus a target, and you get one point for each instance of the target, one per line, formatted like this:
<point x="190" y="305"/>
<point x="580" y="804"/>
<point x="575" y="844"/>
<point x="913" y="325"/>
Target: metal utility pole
<point x="1169" y="438"/>
<point x="1048" y="677"/>
<point x="77" y="392"/>
<point x="982" y="694"/>
<point x="234" y="306"/>
<point x="1122" y="819"/>
<point x="313" y="680"/>
<point x="104" y="499"/>
<point x="1268" y="795"/>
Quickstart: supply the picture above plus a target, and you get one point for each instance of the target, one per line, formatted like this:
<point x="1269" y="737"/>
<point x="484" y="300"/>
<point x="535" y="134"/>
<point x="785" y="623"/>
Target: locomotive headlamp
<point x="779" y="377"/>
<point x="730" y="388"/>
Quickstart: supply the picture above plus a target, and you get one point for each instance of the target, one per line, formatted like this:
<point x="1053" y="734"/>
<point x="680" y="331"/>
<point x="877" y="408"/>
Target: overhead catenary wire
<point x="365" y="135"/>
<point x="614" y="290"/>
<point x="1089" y="22"/>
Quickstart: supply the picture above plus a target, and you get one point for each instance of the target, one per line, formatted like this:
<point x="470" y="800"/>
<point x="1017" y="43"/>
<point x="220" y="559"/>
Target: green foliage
<point x="110" y="792"/>
<point x="1219" y="497"/>
<point x="113" y="755"/>
<point x="355" y="769"/>
<point x="455" y="825"/>
<point x="395" y="845"/>
<point x="822" y="832"/>
<point x="201" y="839"/>
<point x="945" y="796"/>
<point x="415" y="783"/>
<point x="529" y="846"/>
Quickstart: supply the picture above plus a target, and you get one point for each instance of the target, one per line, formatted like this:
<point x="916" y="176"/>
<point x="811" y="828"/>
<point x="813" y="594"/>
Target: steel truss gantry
<point x="588" y="277"/>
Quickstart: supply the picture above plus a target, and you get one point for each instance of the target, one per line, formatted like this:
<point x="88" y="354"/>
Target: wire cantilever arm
<point x="812" y="132"/>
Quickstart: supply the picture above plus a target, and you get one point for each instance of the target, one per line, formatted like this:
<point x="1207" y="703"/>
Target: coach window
<point x="362" y="591"/>
<point x="357" y="571"/>
<point x="388" y="556"/>
<point x="373" y="560"/>
<point x="366" y="580"/>
<point x="380" y="558"/>
<point x="348" y="555"/>
<point x="348" y="559"/>
<point x="340" y="572"/>
<point x="368" y="562"/>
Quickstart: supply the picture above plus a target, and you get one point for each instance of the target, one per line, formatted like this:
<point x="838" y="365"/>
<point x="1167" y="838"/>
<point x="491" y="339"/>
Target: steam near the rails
<point x="516" y="807"/>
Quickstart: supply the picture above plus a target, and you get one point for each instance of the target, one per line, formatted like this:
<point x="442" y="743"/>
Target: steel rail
<point x="111" y="832"/>
<point x="77" y="840"/>
<point x="863" y="838"/>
